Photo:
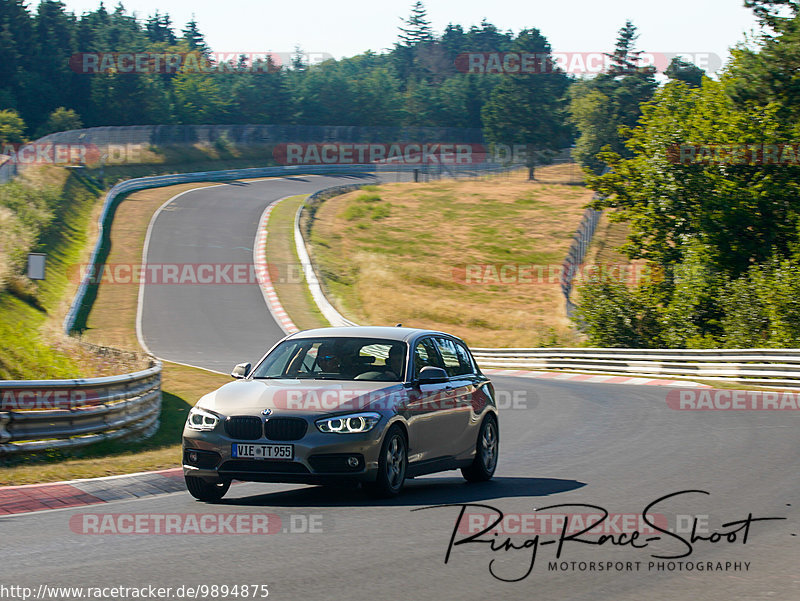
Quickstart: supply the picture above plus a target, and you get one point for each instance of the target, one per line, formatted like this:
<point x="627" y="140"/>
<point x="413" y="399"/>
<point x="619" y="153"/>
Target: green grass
<point x="25" y="351"/>
<point x="366" y="207"/>
<point x="23" y="354"/>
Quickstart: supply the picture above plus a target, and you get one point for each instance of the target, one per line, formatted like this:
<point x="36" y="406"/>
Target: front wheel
<point x="206" y="491"/>
<point x="392" y="464"/>
<point x="482" y="467"/>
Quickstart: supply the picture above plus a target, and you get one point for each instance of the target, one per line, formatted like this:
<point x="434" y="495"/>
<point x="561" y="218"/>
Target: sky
<point x="699" y="29"/>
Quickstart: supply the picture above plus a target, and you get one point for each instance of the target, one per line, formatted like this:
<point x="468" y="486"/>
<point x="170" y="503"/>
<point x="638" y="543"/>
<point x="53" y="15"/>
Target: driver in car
<point x="328" y="359"/>
<point x="395" y="361"/>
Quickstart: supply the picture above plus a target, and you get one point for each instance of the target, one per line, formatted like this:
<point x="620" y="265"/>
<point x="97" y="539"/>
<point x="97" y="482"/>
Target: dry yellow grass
<point x="399" y="253"/>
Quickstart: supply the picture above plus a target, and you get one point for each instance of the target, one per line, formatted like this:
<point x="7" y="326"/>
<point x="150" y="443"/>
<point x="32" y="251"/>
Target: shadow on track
<point x="420" y="491"/>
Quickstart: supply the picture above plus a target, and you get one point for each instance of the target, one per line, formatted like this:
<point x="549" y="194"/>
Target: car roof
<point x="385" y="332"/>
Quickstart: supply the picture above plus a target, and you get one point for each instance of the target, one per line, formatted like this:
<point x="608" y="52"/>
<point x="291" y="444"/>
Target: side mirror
<point x="432" y="375"/>
<point x="241" y="371"/>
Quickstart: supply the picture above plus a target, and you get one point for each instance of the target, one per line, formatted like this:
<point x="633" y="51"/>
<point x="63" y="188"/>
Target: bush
<point x="12" y="127"/>
<point x="61" y="119"/>
<point x="613" y="315"/>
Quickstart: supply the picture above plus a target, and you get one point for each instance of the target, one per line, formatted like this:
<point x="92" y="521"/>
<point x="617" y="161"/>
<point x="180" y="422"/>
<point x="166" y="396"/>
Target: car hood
<point x="251" y="397"/>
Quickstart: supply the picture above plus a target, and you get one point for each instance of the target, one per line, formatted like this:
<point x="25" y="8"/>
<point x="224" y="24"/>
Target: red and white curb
<point x="78" y="493"/>
<point x="263" y="275"/>
<point x="592" y="379"/>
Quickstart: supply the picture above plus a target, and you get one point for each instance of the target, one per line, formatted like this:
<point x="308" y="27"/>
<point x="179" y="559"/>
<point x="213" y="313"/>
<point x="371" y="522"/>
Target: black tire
<point x="206" y="491"/>
<point x="392" y="465"/>
<point x="486" y="449"/>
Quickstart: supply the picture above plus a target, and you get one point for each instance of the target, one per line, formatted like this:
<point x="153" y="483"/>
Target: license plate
<point x="263" y="451"/>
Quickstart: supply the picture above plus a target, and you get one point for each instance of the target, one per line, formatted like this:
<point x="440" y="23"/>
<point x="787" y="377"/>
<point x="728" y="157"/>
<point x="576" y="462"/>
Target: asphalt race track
<point x="218" y="325"/>
<point x="610" y="446"/>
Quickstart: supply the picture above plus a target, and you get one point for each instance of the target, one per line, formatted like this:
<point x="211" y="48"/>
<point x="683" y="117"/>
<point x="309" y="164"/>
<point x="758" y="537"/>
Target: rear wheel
<point x="485" y="462"/>
<point x="392" y="464"/>
<point x="206" y="491"/>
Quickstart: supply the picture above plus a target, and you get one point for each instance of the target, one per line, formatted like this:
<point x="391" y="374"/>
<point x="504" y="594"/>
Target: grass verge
<point x="285" y="269"/>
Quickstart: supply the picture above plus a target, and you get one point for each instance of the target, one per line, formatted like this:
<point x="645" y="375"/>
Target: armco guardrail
<point x="765" y="367"/>
<point x="38" y="415"/>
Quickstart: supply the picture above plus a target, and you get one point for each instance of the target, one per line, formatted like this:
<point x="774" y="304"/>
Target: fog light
<point x="352" y="462"/>
<point x="193" y="457"/>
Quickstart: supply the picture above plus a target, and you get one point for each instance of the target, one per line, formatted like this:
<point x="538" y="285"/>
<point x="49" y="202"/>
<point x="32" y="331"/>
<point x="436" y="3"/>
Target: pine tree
<point x="625" y="58"/>
<point x="195" y="40"/>
<point x="159" y="29"/>
<point x="418" y="28"/>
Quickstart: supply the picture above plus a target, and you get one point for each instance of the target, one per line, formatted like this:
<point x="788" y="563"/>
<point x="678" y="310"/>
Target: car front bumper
<point x="318" y="458"/>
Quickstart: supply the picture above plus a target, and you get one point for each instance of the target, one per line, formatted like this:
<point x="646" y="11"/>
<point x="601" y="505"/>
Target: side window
<point x="455" y="364"/>
<point x="425" y="355"/>
<point x="464" y="358"/>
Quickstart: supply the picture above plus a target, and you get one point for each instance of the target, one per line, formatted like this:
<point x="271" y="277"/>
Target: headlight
<point x="201" y="420"/>
<point x="348" y="424"/>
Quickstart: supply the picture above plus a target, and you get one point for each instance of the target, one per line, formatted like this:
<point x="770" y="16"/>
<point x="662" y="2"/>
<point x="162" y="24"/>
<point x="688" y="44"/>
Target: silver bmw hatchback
<point x="374" y="405"/>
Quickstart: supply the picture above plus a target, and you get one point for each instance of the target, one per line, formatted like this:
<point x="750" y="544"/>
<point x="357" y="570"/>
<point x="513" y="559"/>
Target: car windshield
<point x="335" y="359"/>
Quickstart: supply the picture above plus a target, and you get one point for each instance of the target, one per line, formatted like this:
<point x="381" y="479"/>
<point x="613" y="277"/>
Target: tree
<point x="159" y="29"/>
<point x="674" y="191"/>
<point x="414" y="38"/>
<point x="194" y="39"/>
<point x="12" y="127"/>
<point x="625" y="58"/>
<point x="770" y="73"/>
<point x="680" y="70"/>
<point x="769" y="11"/>
<point x="602" y="107"/>
<point x="529" y="109"/>
<point x="60" y="119"/>
<point x="417" y="28"/>
<point x="200" y="99"/>
<point x="299" y="59"/>
<point x="592" y="112"/>
<point x="262" y="96"/>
